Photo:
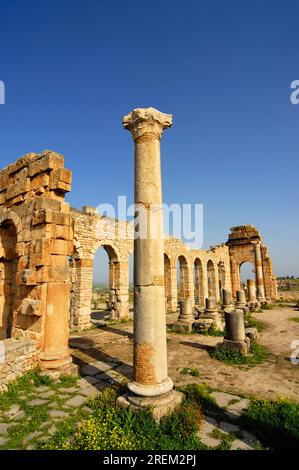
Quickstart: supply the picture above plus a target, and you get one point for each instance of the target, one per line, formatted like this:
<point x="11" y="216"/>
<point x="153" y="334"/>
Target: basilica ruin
<point x="47" y="252"/>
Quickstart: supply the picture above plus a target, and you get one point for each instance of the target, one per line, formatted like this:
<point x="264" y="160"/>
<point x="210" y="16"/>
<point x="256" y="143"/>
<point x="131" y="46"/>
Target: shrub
<point x="276" y="423"/>
<point x="230" y="356"/>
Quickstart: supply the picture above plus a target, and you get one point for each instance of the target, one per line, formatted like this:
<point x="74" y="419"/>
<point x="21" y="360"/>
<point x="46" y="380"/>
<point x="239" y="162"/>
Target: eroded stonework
<point x="46" y="264"/>
<point x="36" y="239"/>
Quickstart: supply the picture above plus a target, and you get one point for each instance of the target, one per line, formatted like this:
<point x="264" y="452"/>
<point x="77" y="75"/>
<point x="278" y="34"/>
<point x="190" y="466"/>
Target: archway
<point x="105" y="280"/>
<point x="183" y="278"/>
<point x="198" y="283"/>
<point x="8" y="269"/>
<point x="211" y="279"/>
<point x="246" y="271"/>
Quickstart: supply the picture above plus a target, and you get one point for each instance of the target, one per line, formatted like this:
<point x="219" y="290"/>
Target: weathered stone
<point x="76" y="401"/>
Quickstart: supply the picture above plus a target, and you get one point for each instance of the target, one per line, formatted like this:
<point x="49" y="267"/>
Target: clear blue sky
<point x="72" y="69"/>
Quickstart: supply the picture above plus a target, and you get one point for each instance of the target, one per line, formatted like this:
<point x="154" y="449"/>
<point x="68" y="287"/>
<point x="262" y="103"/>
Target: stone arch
<point x="211" y="276"/>
<point x="199" y="297"/>
<point x="8" y="269"/>
<point x="246" y="244"/>
<point x="184" y="287"/>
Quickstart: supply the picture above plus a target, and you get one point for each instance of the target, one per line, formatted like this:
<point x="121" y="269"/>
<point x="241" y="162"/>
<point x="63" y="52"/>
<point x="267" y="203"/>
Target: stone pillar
<point x="212" y="312"/>
<point x="241" y="301"/>
<point x="259" y="273"/>
<point x="251" y="290"/>
<point x="81" y="314"/>
<point x="253" y="303"/>
<point x="227" y="299"/>
<point x="151" y="384"/>
<point x="235" y="331"/>
<point x="186" y="318"/>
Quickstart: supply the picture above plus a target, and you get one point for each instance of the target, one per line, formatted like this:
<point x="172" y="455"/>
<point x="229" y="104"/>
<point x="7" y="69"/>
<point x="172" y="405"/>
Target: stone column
<point x="151" y="384"/>
<point x="259" y="273"/>
<point x="251" y="290"/>
<point x="235" y="331"/>
<point x="186" y="318"/>
<point x="212" y="312"/>
<point x="253" y="303"/>
<point x="227" y="299"/>
<point x="241" y="301"/>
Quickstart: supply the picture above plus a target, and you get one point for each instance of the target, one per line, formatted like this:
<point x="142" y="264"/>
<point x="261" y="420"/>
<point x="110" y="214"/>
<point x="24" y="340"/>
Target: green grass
<point x="24" y="384"/>
<point x="109" y="427"/>
<point x="267" y="307"/>
<point x="257" y="355"/>
<point x="211" y="331"/>
<point x="253" y="323"/>
<point x="192" y="372"/>
<point x="296" y="319"/>
<point x="275" y="423"/>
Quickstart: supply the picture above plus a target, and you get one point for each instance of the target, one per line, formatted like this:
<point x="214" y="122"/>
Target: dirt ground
<point x="276" y="377"/>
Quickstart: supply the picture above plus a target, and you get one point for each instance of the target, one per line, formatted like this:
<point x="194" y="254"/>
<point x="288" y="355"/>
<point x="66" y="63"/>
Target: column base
<point x="57" y="367"/>
<point x="151" y="391"/>
<point x="160" y="406"/>
<point x="242" y="346"/>
<point x="228" y="308"/>
<point x="182" y="326"/>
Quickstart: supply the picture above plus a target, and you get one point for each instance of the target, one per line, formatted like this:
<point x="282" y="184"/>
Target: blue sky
<point x="72" y="69"/>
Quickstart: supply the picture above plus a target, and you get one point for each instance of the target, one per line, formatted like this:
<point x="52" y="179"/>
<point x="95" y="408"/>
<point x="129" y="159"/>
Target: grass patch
<point x="296" y="319"/>
<point x="109" y="427"/>
<point x="275" y="423"/>
<point x="24" y="384"/>
<point x="226" y="439"/>
<point x="253" y="323"/>
<point x="267" y="307"/>
<point x="192" y="372"/>
<point x="211" y="331"/>
<point x="257" y="355"/>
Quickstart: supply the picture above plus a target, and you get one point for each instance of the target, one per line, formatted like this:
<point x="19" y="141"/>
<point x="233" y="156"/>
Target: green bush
<point x="275" y="423"/>
<point x="257" y="355"/>
<point x="112" y="428"/>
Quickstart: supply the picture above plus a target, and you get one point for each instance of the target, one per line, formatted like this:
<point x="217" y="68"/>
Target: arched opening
<point x="183" y="281"/>
<point x="198" y="283"/>
<point x="8" y="269"/>
<point x="247" y="271"/>
<point x="167" y="280"/>
<point x="221" y="278"/>
<point x="211" y="279"/>
<point x="105" y="281"/>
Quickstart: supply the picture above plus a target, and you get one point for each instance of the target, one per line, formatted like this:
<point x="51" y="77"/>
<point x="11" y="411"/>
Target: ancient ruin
<point x="46" y="265"/>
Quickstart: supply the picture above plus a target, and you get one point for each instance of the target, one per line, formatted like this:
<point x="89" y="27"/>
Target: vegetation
<point x="275" y="423"/>
<point x="109" y="427"/>
<point x="192" y="372"/>
<point x="211" y="331"/>
<point x="252" y="322"/>
<point x="257" y="355"/>
<point x="296" y="319"/>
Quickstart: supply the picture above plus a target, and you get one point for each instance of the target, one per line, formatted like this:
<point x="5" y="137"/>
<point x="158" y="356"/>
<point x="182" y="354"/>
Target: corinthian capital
<point x="147" y="121"/>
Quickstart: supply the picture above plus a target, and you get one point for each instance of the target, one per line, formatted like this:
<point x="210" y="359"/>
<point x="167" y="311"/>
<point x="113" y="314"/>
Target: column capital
<point x="147" y="122"/>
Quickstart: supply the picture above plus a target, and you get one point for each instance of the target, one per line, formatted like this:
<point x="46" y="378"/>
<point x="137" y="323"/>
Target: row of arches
<point x="183" y="279"/>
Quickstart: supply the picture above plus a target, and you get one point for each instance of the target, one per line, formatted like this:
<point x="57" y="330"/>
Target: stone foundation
<point x="17" y="356"/>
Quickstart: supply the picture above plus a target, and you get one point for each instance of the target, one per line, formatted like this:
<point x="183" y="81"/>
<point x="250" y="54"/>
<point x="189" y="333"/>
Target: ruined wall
<point x="36" y="239"/>
<point x="243" y="243"/>
<point x="92" y="231"/>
